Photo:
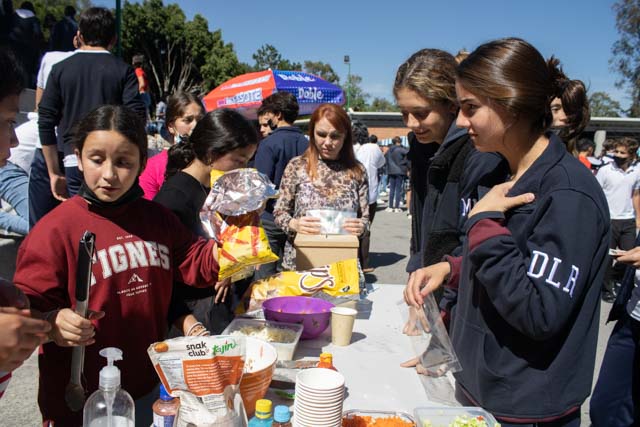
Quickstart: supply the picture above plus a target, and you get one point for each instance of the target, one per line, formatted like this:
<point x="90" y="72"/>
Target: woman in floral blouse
<point x="326" y="176"/>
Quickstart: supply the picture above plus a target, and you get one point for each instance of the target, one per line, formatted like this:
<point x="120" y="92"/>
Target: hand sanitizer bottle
<point x="109" y="406"/>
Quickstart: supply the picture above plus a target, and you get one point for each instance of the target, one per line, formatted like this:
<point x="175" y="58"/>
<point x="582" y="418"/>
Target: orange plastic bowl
<point x="260" y="363"/>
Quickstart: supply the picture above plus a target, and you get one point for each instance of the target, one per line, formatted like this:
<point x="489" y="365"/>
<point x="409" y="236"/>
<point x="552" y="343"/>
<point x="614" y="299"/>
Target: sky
<point x="380" y="35"/>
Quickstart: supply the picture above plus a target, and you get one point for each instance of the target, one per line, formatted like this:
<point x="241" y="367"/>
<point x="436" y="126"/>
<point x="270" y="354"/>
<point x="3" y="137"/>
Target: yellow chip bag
<point x="340" y="278"/>
<point x="243" y="243"/>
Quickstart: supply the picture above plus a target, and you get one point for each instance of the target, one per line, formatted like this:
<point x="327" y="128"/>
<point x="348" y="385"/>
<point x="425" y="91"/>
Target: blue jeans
<point x="74" y="180"/>
<point x="616" y="398"/>
<point x="383" y="183"/>
<point x="41" y="201"/>
<point x="14" y="189"/>
<point x="277" y="241"/>
<point x="396" y="190"/>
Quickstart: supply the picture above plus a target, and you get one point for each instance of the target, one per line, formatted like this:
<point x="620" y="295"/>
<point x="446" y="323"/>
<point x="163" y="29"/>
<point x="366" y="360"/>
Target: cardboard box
<point x="315" y="250"/>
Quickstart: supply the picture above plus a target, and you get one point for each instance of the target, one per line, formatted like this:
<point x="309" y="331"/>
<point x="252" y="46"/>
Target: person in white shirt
<point x="28" y="137"/>
<point x="41" y="199"/>
<point x="620" y="181"/>
<point x="368" y="153"/>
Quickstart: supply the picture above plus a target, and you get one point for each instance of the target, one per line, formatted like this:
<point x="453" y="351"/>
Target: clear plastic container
<point x="378" y="414"/>
<point x="285" y="350"/>
<point x="443" y="416"/>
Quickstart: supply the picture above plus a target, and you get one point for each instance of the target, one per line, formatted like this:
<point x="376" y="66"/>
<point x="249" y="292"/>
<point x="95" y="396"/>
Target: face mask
<point x="179" y="139"/>
<point x="620" y="161"/>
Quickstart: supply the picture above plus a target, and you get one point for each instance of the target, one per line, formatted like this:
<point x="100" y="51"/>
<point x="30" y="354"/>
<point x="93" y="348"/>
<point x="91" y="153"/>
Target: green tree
<point x="358" y="97"/>
<point x="268" y="57"/>
<point x="602" y="105"/>
<point x="626" y="50"/>
<point x="322" y="70"/>
<point x="179" y="54"/>
<point x="382" y="104"/>
<point x="216" y="60"/>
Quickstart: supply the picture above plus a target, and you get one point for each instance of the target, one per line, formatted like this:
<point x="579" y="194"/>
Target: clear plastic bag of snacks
<point x="331" y="220"/>
<point x="429" y="338"/>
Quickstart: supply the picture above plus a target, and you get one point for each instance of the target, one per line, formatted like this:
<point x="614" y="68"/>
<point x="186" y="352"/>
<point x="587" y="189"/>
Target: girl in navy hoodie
<point x="525" y="324"/>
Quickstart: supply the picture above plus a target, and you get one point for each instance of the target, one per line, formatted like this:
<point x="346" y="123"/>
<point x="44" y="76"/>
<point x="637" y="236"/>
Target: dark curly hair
<point x="283" y="103"/>
<point x="360" y="132"/>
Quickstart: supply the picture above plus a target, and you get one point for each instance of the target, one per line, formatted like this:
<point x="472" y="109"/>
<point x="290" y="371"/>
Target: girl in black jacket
<point x="439" y="152"/>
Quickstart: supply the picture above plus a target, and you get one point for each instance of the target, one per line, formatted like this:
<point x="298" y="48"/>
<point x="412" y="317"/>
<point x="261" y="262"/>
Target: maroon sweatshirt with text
<point x="141" y="248"/>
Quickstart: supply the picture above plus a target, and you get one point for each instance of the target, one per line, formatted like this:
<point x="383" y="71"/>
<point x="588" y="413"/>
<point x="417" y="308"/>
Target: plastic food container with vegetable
<point x="283" y="336"/>
<point x="365" y="418"/>
<point x="465" y="416"/>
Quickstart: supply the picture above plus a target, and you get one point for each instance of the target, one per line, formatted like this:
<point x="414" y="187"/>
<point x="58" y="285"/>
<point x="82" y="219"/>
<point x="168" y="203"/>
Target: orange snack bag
<point x="231" y="216"/>
<point x="243" y="243"/>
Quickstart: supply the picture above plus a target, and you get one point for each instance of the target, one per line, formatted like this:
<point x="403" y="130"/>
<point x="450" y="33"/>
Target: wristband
<point x="197" y="329"/>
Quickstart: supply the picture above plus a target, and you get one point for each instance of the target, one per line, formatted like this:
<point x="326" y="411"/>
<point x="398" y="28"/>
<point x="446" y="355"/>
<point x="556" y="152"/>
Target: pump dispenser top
<point x="110" y="374"/>
<point x="110" y="405"/>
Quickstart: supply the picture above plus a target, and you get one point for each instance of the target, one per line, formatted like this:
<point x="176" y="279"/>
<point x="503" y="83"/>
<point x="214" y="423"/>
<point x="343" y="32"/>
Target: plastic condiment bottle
<point x="262" y="417"/>
<point x="165" y="409"/>
<point x="326" y="361"/>
<point x="109" y="406"/>
<point x="281" y="416"/>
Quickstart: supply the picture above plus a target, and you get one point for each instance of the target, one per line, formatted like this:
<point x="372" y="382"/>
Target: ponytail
<point x="558" y="81"/>
<point x="179" y="157"/>
<point x="575" y="102"/>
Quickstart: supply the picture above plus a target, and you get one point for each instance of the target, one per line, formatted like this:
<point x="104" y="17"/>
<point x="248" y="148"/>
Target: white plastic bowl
<point x="320" y="380"/>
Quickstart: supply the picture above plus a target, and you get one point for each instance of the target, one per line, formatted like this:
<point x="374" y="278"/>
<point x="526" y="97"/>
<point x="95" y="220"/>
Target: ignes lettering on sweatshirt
<point x="548" y="267"/>
<point x="120" y="258"/>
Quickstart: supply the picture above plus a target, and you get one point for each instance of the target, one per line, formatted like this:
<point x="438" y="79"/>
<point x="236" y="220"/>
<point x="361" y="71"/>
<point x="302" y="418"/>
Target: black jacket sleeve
<point x="50" y="109"/>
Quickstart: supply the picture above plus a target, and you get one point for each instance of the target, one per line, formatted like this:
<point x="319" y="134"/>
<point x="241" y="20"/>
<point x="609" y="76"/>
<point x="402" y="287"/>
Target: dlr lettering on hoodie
<point x="542" y="266"/>
<point x="122" y="257"/>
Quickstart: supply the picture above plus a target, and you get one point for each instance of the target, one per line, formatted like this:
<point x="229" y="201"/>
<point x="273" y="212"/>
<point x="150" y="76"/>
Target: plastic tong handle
<point x="83" y="282"/>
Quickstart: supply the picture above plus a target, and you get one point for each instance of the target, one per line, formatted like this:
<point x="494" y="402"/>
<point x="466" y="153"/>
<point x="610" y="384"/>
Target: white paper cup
<point x="342" y="319"/>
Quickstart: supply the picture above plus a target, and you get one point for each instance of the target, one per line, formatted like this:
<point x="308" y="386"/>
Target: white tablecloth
<point x="371" y="363"/>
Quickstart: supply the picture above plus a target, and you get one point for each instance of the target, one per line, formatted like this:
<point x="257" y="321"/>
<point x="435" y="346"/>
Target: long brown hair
<point x="513" y="74"/>
<point x="339" y="120"/>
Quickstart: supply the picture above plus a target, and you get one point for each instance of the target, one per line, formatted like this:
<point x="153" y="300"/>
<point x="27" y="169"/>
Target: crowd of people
<point x="514" y="222"/>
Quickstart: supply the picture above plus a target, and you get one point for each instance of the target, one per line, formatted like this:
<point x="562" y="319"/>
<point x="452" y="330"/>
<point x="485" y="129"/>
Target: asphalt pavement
<point x="389" y="255"/>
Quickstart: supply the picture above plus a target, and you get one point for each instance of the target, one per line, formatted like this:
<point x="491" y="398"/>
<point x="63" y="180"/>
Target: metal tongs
<point x="75" y="394"/>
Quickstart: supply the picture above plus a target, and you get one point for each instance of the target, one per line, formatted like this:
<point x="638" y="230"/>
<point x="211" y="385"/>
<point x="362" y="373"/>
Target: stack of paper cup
<point x="319" y="398"/>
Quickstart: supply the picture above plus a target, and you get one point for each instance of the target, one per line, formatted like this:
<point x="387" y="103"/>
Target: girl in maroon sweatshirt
<point x="141" y="248"/>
